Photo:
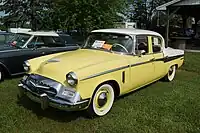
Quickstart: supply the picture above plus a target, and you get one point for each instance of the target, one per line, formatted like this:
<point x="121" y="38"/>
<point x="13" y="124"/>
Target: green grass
<point x="159" y="108"/>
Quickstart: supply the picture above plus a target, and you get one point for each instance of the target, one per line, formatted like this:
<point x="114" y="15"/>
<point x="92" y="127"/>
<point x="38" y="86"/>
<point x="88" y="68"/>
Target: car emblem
<point x="40" y="85"/>
<point x="53" y="60"/>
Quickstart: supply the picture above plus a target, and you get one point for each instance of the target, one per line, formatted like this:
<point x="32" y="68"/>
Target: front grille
<point x="38" y="85"/>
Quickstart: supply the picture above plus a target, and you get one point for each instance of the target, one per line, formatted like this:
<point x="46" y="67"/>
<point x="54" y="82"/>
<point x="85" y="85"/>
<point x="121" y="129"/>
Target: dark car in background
<point x="67" y="38"/>
<point x="26" y="45"/>
<point x="5" y="37"/>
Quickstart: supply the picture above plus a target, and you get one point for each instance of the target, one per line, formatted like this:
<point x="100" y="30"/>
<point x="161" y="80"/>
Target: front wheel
<point x="102" y="101"/>
<point x="171" y="74"/>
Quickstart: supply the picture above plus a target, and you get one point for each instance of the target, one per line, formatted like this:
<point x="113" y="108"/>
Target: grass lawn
<point x="159" y="108"/>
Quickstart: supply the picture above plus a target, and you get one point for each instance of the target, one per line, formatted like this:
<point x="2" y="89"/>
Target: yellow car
<point x="112" y="62"/>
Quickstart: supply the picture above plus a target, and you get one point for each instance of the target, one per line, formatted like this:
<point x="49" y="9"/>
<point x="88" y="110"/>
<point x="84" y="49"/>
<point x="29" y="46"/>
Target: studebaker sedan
<point x="23" y="46"/>
<point x="113" y="62"/>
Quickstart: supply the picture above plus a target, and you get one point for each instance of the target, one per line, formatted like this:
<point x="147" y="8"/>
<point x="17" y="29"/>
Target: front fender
<point x="87" y="87"/>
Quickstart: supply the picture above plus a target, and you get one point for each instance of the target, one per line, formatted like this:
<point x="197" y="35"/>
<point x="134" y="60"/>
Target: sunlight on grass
<point x="159" y="108"/>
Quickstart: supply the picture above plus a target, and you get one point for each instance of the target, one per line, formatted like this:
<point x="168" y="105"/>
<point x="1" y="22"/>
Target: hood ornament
<point x="53" y="60"/>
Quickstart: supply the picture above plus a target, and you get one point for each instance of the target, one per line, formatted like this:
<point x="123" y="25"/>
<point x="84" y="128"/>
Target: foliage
<point x="63" y="14"/>
<point x="23" y="11"/>
<point x="142" y="11"/>
<point x="87" y="14"/>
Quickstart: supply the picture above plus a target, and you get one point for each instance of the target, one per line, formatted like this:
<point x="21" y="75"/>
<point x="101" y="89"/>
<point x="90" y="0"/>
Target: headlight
<point x="26" y="66"/>
<point x="72" y="79"/>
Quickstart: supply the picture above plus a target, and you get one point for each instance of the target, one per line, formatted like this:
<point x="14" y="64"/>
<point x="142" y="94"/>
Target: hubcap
<point x="102" y="99"/>
<point x="170" y="71"/>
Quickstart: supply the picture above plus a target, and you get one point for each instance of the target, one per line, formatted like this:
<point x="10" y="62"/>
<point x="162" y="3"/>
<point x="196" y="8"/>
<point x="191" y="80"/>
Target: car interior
<point x="42" y="42"/>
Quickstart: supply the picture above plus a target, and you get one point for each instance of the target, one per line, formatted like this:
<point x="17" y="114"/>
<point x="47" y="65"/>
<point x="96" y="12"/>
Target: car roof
<point x="128" y="31"/>
<point x="4" y="33"/>
<point x="41" y="33"/>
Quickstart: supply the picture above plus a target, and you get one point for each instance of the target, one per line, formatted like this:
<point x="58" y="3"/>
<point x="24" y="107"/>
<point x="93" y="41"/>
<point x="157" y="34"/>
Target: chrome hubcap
<point x="0" y="75"/>
<point x="170" y="71"/>
<point x="102" y="99"/>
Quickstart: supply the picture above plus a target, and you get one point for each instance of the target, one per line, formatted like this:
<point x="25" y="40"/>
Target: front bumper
<point x="47" y="101"/>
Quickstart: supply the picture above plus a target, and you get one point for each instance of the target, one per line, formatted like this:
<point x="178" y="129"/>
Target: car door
<point x="157" y="50"/>
<point x="142" y="67"/>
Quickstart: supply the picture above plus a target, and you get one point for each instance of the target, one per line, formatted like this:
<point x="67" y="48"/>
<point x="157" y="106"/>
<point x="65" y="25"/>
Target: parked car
<point x="26" y="45"/>
<point x="113" y="62"/>
<point x="67" y="38"/>
<point x="5" y="37"/>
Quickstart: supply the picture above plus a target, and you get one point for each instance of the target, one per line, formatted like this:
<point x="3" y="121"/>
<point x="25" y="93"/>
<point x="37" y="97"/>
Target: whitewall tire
<point x="1" y="75"/>
<point x="102" y="100"/>
<point x="171" y="73"/>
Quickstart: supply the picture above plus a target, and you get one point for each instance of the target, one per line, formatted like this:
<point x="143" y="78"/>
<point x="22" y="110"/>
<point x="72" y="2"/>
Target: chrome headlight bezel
<point x="72" y="79"/>
<point x="26" y="66"/>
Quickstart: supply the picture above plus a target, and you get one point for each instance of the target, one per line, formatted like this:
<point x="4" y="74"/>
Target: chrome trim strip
<point x="105" y="72"/>
<point x="18" y="73"/>
<point x="132" y="65"/>
<point x="9" y="50"/>
<point x="141" y="63"/>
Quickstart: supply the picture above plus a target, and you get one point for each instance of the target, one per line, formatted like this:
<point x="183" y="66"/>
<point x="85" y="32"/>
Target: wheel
<point x="171" y="74"/>
<point x="1" y="75"/>
<point x="102" y="101"/>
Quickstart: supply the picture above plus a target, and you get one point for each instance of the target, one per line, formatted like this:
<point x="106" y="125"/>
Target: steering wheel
<point x="124" y="48"/>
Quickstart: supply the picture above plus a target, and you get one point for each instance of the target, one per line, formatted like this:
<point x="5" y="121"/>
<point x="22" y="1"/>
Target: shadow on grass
<point x="51" y="113"/>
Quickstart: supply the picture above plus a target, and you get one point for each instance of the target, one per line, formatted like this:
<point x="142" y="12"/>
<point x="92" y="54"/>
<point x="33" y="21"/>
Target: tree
<point x="22" y="11"/>
<point x="83" y="15"/>
<point x="142" y="11"/>
<point x="87" y="15"/>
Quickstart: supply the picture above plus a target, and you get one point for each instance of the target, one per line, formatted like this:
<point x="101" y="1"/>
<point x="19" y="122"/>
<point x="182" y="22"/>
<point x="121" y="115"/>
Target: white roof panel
<point x="128" y="31"/>
<point x="41" y="33"/>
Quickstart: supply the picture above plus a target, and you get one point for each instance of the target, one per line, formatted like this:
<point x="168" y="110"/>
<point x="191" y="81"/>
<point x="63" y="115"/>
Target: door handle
<point x="43" y="52"/>
<point x="153" y="59"/>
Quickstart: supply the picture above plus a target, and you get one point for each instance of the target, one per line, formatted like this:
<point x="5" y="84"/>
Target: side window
<point x="36" y="42"/>
<point x="53" y="41"/>
<point x="156" y="44"/>
<point x="141" y="44"/>
<point x="2" y="39"/>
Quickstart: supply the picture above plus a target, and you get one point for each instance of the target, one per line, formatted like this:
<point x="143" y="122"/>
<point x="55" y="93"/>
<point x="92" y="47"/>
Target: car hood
<point x="83" y="62"/>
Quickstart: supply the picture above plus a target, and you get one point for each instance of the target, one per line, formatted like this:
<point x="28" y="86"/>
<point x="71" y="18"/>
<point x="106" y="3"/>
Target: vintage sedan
<point x="113" y="62"/>
<point x="26" y="45"/>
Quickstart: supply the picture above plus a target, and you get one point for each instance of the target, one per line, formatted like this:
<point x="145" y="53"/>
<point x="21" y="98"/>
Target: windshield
<point x="19" y="39"/>
<point x="110" y="42"/>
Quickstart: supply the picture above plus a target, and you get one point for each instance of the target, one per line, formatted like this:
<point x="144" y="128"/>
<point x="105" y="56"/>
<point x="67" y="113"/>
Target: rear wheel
<point x="2" y="74"/>
<point x="171" y="74"/>
<point x="102" y="101"/>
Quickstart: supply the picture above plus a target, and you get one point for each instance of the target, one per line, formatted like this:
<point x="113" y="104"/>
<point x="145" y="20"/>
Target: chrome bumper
<point x="47" y="101"/>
